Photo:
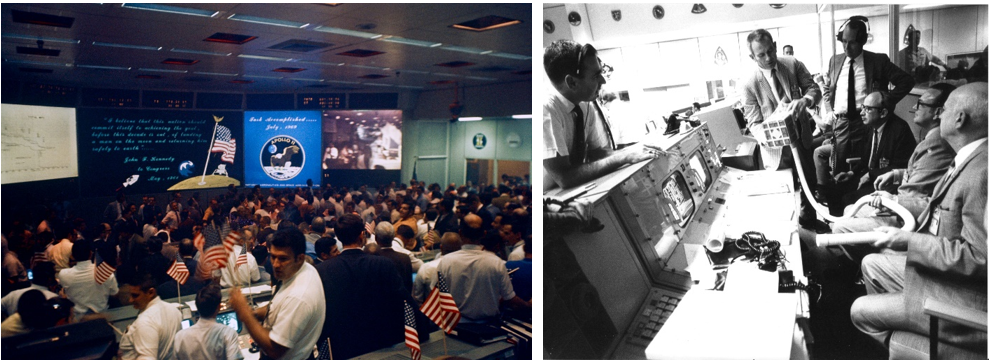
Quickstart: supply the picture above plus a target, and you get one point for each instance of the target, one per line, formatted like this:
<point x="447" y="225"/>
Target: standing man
<point x="386" y="238"/>
<point x="578" y="144"/>
<point x="288" y="327"/>
<point x="946" y="258"/>
<point x="364" y="296"/>
<point x="80" y="285"/>
<point x="851" y="77"/>
<point x="778" y="80"/>
<point x="150" y="336"/>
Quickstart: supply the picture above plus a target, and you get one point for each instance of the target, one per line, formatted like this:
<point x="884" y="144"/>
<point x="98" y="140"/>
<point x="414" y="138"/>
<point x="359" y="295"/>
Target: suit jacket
<point x="447" y="223"/>
<point x="951" y="265"/>
<point x="879" y="74"/>
<point x="402" y="264"/>
<point x="896" y="145"/>
<point x="929" y="162"/>
<point x="364" y="297"/>
<point x="760" y="100"/>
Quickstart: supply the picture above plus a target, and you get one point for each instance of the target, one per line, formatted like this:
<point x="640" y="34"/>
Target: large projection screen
<point x="39" y="143"/>
<point x="362" y="139"/>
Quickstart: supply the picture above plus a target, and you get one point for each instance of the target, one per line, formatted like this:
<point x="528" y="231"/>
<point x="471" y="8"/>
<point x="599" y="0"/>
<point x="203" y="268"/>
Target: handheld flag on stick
<point x="178" y="271"/>
<point x="410" y="332"/>
<point x="440" y="307"/>
<point x="215" y="252"/>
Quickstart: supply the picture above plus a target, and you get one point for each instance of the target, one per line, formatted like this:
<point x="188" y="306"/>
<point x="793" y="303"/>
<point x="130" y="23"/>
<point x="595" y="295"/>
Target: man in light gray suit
<point x="946" y="258"/>
<point x="780" y="80"/>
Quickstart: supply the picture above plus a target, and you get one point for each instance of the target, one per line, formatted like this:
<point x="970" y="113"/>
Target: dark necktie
<point x="851" y="88"/>
<point x="783" y="96"/>
<point x="578" y="153"/>
<point x="873" y="157"/>
<point x="606" y="125"/>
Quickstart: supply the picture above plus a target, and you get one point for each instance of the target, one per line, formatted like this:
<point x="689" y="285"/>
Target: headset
<point x="863" y="38"/>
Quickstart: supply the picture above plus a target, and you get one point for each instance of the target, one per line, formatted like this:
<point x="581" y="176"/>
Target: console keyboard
<point x="655" y="312"/>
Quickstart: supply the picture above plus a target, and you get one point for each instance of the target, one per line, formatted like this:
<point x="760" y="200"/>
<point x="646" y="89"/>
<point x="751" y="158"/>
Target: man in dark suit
<point x="851" y="77"/>
<point x="385" y="236"/>
<point x="946" y="258"/>
<point x="364" y="296"/>
<point x="890" y="145"/>
<point x="447" y="221"/>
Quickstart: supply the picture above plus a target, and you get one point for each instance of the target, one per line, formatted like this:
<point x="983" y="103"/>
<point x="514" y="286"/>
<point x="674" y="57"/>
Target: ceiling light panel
<point x="93" y="66"/>
<point x="267" y="21"/>
<point x="172" y="9"/>
<point x="413" y="42"/>
<point x="485" y="23"/>
<point x="45" y="39"/>
<point x="230" y="38"/>
<point x="469" y="50"/>
<point x="348" y="32"/>
<point x="266" y="58"/>
<point x="129" y="46"/>
<point x="511" y="56"/>
<point x="193" y="51"/>
<point x="27" y="17"/>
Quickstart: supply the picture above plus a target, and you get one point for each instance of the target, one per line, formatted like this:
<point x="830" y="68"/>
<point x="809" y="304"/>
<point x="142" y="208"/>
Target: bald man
<point x="946" y="256"/>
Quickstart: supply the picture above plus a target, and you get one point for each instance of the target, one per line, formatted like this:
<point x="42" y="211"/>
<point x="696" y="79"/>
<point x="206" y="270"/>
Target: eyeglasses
<point x="919" y="103"/>
<point x="605" y="69"/>
<point x="866" y="108"/>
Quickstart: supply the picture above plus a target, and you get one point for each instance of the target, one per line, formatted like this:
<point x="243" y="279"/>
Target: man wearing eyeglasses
<point x="578" y="142"/>
<point x="915" y="183"/>
<point x="851" y="77"/>
<point x="890" y="144"/>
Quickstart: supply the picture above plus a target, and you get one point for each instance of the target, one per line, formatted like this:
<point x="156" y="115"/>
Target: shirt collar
<point x="472" y="247"/>
<point x="560" y="100"/>
<point x="858" y="60"/>
<point x="967" y="150"/>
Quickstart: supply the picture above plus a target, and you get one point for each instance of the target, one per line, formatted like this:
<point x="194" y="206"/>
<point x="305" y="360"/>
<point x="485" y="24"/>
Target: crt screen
<point x="677" y="198"/>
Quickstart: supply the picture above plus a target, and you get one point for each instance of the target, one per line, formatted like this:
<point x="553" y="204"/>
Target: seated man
<point x="578" y="144"/>
<point x="478" y="279"/>
<point x="43" y="280"/>
<point x="208" y="339"/>
<point x="891" y="143"/>
<point x="150" y="336"/>
<point x="927" y="164"/>
<point x="946" y="258"/>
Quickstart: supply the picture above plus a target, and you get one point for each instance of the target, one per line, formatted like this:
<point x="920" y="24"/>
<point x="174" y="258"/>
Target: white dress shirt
<point x="59" y="254"/>
<point x="841" y="97"/>
<point x="207" y="340"/>
<point x="151" y="335"/>
<point x="243" y="272"/>
<point x="478" y="280"/>
<point x="427" y="277"/>
<point x="82" y="289"/>
<point x="517" y="253"/>
<point x="296" y="314"/>
<point x="415" y="262"/>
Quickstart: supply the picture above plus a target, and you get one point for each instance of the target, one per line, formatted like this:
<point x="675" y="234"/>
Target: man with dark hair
<point x="208" y="339"/>
<point x="30" y="315"/>
<point x="405" y="238"/>
<point x="406" y="215"/>
<point x="578" y="144"/>
<point x="43" y="280"/>
<point x="447" y="221"/>
<point x="326" y="248"/>
<point x="788" y="50"/>
<point x="851" y="77"/>
<point x="291" y="323"/>
<point x="80" y="285"/>
<point x="364" y="295"/>
<point x="115" y="208"/>
<point x="478" y="279"/>
<point x="155" y="263"/>
<point x="512" y="232"/>
<point x="150" y="336"/>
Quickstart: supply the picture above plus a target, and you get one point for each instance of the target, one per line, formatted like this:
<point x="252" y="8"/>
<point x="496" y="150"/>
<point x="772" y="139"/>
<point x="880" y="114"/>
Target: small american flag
<point x="178" y="271"/>
<point x="242" y="258"/>
<point x="410" y="332"/>
<point x="103" y="272"/>
<point x="224" y="143"/>
<point x="215" y="252"/>
<point x="41" y="256"/>
<point x="440" y="307"/>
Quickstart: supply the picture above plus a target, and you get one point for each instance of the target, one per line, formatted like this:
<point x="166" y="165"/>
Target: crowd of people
<point x="342" y="262"/>
<point x="850" y="143"/>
